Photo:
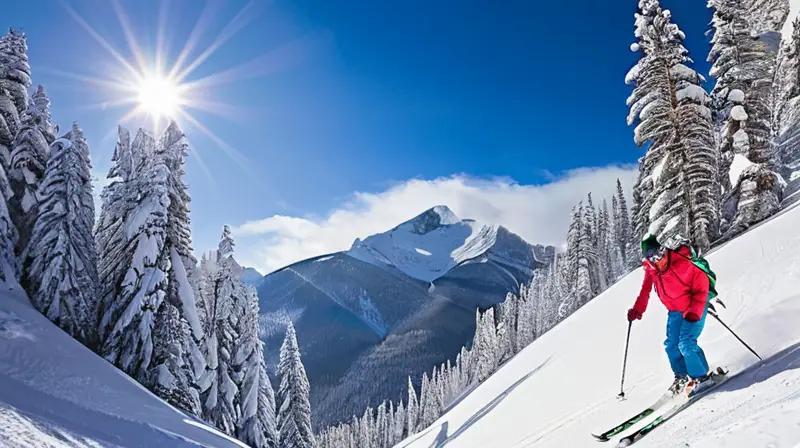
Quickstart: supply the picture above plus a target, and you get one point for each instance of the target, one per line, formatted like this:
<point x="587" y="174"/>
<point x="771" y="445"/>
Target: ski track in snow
<point x="561" y="388"/>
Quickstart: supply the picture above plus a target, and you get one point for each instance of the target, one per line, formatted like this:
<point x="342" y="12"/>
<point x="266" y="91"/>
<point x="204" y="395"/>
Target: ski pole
<point x="625" y="362"/>
<point x="714" y="315"/>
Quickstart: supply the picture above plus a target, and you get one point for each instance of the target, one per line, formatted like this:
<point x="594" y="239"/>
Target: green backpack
<point x="704" y="266"/>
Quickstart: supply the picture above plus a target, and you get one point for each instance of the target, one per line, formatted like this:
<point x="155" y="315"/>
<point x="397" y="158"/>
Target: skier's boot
<point x="679" y="385"/>
<point x="698" y="385"/>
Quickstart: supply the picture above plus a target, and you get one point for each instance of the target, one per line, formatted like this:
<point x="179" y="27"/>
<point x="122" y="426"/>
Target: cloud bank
<point x="538" y="213"/>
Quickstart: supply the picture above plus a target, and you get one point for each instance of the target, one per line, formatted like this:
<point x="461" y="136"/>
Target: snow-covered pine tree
<point x="14" y="82"/>
<point x="744" y="63"/>
<point x="28" y="161"/>
<point x="526" y="316"/>
<point x="412" y="411"/>
<point x="173" y="379"/>
<point x="678" y="186"/>
<point x="391" y="426"/>
<point x="173" y="147"/>
<point x="366" y="429"/>
<point x="256" y="425"/>
<point x="589" y="281"/>
<point x="605" y="248"/>
<point x="382" y="426"/>
<point x="15" y="79"/>
<point x="488" y="347"/>
<point x="114" y="254"/>
<point x="132" y="315"/>
<point x="626" y="239"/>
<point x="294" y="409"/>
<point x="507" y="328"/>
<point x="220" y="399"/>
<point x="400" y="422"/>
<point x="156" y="275"/>
<point x="9" y="263"/>
<point x="788" y="115"/>
<point x="60" y="265"/>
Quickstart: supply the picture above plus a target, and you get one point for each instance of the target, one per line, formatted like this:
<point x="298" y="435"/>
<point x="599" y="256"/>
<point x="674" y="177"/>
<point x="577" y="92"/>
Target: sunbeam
<point x="155" y="89"/>
<point x="234" y="26"/>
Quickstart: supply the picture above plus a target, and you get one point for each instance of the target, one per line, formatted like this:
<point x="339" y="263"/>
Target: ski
<point x="624" y="426"/>
<point x="671" y="412"/>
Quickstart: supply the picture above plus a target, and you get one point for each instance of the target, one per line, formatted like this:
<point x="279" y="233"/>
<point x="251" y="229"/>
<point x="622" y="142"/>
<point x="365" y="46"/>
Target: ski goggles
<point x="655" y="254"/>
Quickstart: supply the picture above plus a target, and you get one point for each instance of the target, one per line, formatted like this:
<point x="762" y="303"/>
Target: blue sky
<point x="371" y="111"/>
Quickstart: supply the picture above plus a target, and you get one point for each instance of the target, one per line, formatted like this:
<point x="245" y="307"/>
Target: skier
<point x="684" y="290"/>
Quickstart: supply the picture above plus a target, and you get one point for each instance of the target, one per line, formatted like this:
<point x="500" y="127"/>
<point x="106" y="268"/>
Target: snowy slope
<point x="431" y="244"/>
<point x="54" y="393"/>
<point x="563" y="386"/>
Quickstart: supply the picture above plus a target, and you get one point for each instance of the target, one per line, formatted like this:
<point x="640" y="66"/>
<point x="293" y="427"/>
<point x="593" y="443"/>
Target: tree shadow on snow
<point x="786" y="359"/>
<point x="443" y="439"/>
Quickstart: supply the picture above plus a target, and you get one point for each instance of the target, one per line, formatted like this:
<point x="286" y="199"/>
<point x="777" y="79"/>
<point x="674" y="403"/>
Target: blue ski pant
<point x="685" y="356"/>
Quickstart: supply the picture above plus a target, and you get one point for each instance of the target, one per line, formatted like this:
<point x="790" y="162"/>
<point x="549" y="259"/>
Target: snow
<point x="427" y="246"/>
<point x="741" y="141"/>
<point x="682" y="72"/>
<point x="694" y="93"/>
<point x="736" y="96"/>
<point x="739" y="164"/>
<point x="788" y="26"/>
<point x="563" y="386"/>
<point x="738" y="113"/>
<point x="186" y="294"/>
<point x="54" y="392"/>
<point x="633" y="74"/>
<point x="658" y="169"/>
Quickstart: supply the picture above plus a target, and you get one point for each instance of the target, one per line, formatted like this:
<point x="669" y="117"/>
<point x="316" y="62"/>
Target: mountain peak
<point x="432" y="219"/>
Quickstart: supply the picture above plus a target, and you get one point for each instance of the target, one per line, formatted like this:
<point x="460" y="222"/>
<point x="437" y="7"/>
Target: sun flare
<point x="159" y="97"/>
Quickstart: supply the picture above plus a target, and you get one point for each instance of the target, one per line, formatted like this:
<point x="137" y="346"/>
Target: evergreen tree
<point x="172" y="378"/>
<point x="294" y="409"/>
<point x="485" y="345"/>
<point x="788" y="115"/>
<point x="114" y="253"/>
<point x="220" y="399"/>
<point x="15" y="79"/>
<point x="400" y="423"/>
<point x="155" y="275"/>
<point x="28" y="161"/>
<point x="14" y="82"/>
<point x="60" y="265"/>
<point x="256" y="425"/>
<point x="132" y="315"/>
<point x="9" y="264"/>
<point x="744" y="64"/>
<point x="678" y="187"/>
<point x="412" y="411"/>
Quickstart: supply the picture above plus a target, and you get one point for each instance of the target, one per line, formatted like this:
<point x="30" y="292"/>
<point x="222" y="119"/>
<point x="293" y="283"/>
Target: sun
<point x="159" y="97"/>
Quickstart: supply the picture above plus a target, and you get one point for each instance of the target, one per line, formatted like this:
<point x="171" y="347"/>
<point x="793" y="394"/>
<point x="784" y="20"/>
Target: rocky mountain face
<point x="396" y="304"/>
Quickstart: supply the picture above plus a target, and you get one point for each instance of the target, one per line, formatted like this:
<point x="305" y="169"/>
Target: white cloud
<point x="538" y="213"/>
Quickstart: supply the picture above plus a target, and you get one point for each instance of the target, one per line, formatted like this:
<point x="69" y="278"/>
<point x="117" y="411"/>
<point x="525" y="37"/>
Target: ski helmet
<point x="649" y="241"/>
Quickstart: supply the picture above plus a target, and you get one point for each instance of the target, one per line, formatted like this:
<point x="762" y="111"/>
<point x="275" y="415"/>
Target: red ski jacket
<point x="682" y="287"/>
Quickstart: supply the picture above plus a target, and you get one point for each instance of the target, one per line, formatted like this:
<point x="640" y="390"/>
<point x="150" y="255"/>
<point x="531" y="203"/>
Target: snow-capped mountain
<point x="397" y="303"/>
<point x="562" y="387"/>
<point x="431" y="244"/>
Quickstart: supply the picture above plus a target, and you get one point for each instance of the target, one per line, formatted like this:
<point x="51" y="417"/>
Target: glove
<point x="634" y="314"/>
<point x="691" y="317"/>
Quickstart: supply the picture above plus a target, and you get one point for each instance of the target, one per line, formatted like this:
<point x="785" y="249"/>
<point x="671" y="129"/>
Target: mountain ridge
<point x="361" y="314"/>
